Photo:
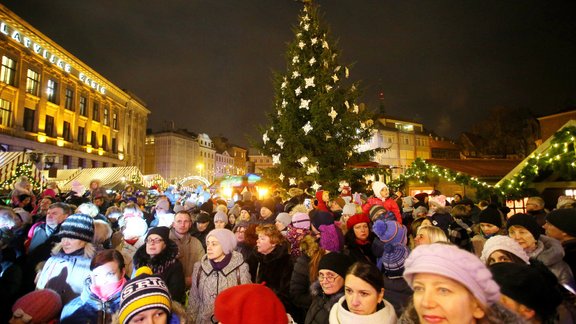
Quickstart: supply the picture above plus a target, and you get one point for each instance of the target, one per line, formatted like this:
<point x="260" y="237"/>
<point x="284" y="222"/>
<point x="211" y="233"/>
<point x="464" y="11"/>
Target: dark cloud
<point x="207" y="65"/>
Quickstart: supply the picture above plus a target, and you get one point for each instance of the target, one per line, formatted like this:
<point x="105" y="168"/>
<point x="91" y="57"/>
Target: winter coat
<point x="128" y="250"/>
<point x="358" y="252"/>
<point x="167" y="266"/>
<point x="300" y="283"/>
<point x="89" y="308"/>
<point x="190" y="251"/>
<point x="275" y="269"/>
<point x="207" y="283"/>
<point x="570" y="254"/>
<point x="389" y="204"/>
<point x="550" y="252"/>
<point x="319" y="310"/>
<point x="496" y="314"/>
<point x="66" y="273"/>
<point x="397" y="292"/>
<point x="340" y="315"/>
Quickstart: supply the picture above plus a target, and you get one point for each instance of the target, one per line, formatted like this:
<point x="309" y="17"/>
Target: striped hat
<point x="78" y="226"/>
<point x="143" y="292"/>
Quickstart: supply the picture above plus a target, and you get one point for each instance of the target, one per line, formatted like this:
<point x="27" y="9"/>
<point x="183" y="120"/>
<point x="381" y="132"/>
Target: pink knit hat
<point x="504" y="243"/>
<point x="454" y="263"/>
<point x="40" y="306"/>
<point x="301" y="220"/>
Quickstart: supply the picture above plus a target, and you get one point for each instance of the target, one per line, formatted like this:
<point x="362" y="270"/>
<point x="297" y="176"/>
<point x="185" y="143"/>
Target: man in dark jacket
<point x="561" y="225"/>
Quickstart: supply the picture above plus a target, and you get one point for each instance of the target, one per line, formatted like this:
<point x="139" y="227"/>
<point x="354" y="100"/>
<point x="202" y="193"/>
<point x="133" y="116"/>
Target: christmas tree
<point x="316" y="126"/>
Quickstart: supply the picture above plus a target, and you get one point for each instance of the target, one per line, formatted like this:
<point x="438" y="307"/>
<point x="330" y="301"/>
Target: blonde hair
<point x="435" y="234"/>
<point x="310" y="246"/>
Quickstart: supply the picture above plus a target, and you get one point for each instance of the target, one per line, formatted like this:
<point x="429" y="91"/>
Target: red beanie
<point x="357" y="219"/>
<point x="42" y="306"/>
<point x="249" y="303"/>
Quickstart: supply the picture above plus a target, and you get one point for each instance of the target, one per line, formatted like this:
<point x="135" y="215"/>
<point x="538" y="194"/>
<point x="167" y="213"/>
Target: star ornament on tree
<point x="280" y="142"/>
<point x="356" y="108"/>
<point x="276" y="158"/>
<point x="301" y="44"/>
<point x="314" y="40"/>
<point x="292" y="181"/>
<point x="335" y="78"/>
<point x="298" y="91"/>
<point x="315" y="186"/>
<point x="312" y="169"/>
<point x="309" y="82"/>
<point x="265" y="137"/>
<point x="303" y="160"/>
<point x="307" y="128"/>
<point x="333" y="114"/>
<point x="295" y="74"/>
<point x="281" y="176"/>
<point x="295" y="59"/>
<point x="305" y="104"/>
<point x="312" y="61"/>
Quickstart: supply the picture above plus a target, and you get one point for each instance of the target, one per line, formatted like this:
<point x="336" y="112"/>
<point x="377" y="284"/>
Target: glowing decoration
<point x="312" y="169"/>
<point x="295" y="59"/>
<point x="309" y="82"/>
<point x="88" y="148"/>
<point x="292" y="181"/>
<point x="314" y="40"/>
<point x="332" y="114"/>
<point x="355" y="109"/>
<point x="281" y="176"/>
<point x="325" y="45"/>
<point x="301" y="44"/>
<point x="298" y="91"/>
<point x="305" y="104"/>
<point x="42" y="137"/>
<point x="328" y="87"/>
<point x="347" y="104"/>
<point x="295" y="74"/>
<point x="121" y="156"/>
<point x="280" y="142"/>
<point x="335" y="78"/>
<point x="306" y="27"/>
<point x="312" y="61"/>
<point x="60" y="141"/>
<point x="265" y="137"/>
<point x="100" y="151"/>
<point x="315" y="186"/>
<point x="284" y="85"/>
<point x="276" y="158"/>
<point x="284" y="103"/>
<point x="346" y="73"/>
<point x="307" y="128"/>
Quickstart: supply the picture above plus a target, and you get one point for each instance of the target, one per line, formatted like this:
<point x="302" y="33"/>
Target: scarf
<point x="218" y="266"/>
<point x="104" y="292"/>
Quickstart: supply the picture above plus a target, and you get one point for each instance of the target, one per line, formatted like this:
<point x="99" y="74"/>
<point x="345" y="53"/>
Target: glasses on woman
<point x="327" y="278"/>
<point x="154" y="240"/>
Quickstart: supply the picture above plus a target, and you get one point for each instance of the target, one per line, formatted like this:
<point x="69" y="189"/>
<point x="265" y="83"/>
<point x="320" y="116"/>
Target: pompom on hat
<point x="504" y="243"/>
<point x="390" y="232"/>
<point x="145" y="291"/>
<point x="225" y="237"/>
<point x="249" y="303"/>
<point x="454" y="263"/>
<point x="77" y="226"/>
<point x="39" y="306"/>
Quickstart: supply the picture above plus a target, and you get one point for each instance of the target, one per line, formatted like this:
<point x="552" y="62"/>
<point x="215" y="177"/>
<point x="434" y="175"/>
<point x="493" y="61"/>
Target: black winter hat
<point x="527" y="285"/>
<point x="336" y="262"/>
<point x="491" y="216"/>
<point x="526" y="221"/>
<point x="162" y="231"/>
<point x="564" y="219"/>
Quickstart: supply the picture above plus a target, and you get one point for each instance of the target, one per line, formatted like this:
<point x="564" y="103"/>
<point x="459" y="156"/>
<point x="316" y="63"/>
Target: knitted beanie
<point x="301" y="220"/>
<point x="357" y="219"/>
<point x="526" y="221"/>
<point x="337" y="262"/>
<point x="226" y="238"/>
<point x="203" y="218"/>
<point x="221" y="216"/>
<point x="42" y="306"/>
<point x="270" y="204"/>
<point x="322" y="218"/>
<point x="377" y="187"/>
<point x="78" y="226"/>
<point x="564" y="219"/>
<point x="531" y="285"/>
<point x="349" y="209"/>
<point x="393" y="259"/>
<point x="376" y="210"/>
<point x="284" y="218"/>
<point x="249" y="303"/>
<point x="490" y="216"/>
<point x="441" y="220"/>
<point x="421" y="196"/>
<point x="162" y="231"/>
<point x="407" y="204"/>
<point x="143" y="292"/>
<point x="504" y="243"/>
<point x="390" y="232"/>
<point x="454" y="263"/>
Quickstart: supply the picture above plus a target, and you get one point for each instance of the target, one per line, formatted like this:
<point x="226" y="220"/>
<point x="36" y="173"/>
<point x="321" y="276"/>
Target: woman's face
<point x="154" y="245"/>
<point x="497" y="257"/>
<point x="330" y="281"/>
<point x="361" y="231"/>
<point x="521" y="235"/>
<point x="438" y="299"/>
<point x="240" y="234"/>
<point x="422" y="238"/>
<point x="214" y="249"/>
<point x="106" y="274"/>
<point x="70" y="245"/>
<point x="265" y="212"/>
<point x="244" y="216"/>
<point x="489" y="229"/>
<point x="361" y="297"/>
<point x="264" y="245"/>
<point x="219" y="224"/>
<point x="154" y="316"/>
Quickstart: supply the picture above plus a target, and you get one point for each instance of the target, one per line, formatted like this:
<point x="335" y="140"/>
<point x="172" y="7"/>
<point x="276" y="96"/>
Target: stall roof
<point x="480" y="168"/>
<point x="105" y="175"/>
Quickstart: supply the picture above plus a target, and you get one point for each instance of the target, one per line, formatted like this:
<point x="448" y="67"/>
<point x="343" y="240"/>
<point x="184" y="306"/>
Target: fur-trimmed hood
<point x="158" y="263"/>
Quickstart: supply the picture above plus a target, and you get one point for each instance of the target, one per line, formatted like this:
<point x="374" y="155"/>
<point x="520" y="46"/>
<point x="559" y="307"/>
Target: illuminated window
<point x="106" y="115"/>
<point x="32" y="82"/>
<point x="69" y="102"/>
<point x="83" y="105"/>
<point x="8" y="71"/>
<point x="115" y="120"/>
<point x="5" y="113"/>
<point x="52" y="91"/>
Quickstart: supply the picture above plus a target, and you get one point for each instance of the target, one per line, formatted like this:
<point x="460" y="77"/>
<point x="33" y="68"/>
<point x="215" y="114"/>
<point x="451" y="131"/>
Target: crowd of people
<point x="87" y="256"/>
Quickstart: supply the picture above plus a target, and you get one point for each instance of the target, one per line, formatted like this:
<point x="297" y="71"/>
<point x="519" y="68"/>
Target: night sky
<point x="207" y="65"/>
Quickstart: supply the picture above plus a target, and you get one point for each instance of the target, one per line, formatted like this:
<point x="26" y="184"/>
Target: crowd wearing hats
<point x="235" y="261"/>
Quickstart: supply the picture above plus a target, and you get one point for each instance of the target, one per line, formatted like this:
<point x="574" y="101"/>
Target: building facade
<point x="172" y="154"/>
<point x="224" y="164"/>
<point x="53" y="103"/>
<point x="206" y="163"/>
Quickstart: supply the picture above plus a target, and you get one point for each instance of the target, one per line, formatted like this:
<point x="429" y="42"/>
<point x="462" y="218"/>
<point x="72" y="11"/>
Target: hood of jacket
<point x="165" y="258"/>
